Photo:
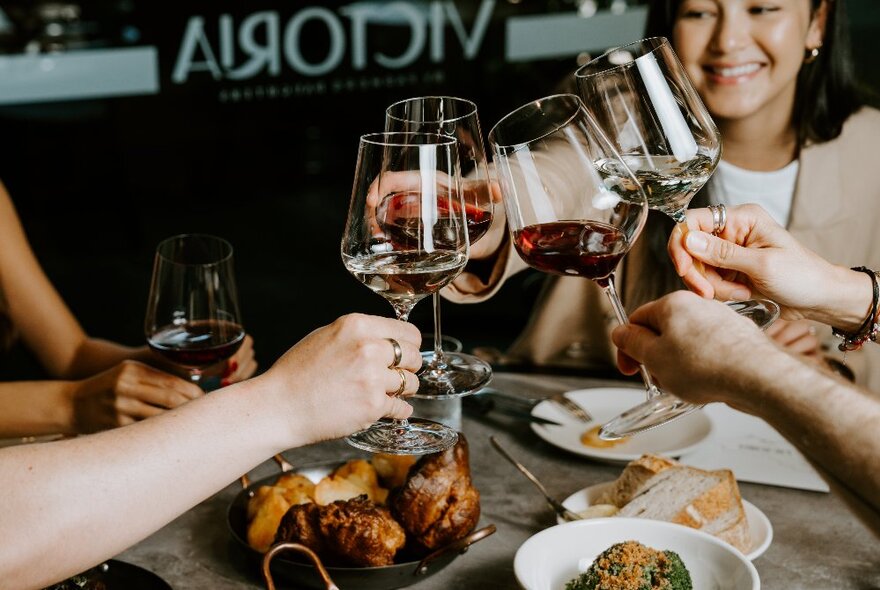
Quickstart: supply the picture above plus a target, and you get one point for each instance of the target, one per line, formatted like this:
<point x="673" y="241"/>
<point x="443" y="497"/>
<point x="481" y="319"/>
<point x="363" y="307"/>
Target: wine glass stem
<point x="438" y="339"/>
<point x="402" y="310"/>
<point x="611" y="292"/>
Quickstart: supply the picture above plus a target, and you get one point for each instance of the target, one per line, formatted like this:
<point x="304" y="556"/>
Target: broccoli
<point x="633" y="566"/>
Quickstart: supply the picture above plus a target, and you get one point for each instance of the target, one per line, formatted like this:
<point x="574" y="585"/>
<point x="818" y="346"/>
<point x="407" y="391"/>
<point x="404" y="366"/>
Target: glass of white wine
<point x="405" y="241"/>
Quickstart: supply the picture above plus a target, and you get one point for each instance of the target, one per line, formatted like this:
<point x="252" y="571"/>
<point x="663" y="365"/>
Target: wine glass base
<point x="762" y="312"/>
<point x="652" y="413"/>
<point x="415" y="437"/>
<point x="457" y="375"/>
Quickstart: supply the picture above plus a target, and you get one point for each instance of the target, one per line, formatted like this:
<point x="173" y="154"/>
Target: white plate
<point x="760" y="529"/>
<point x="603" y="403"/>
<point x="551" y="558"/>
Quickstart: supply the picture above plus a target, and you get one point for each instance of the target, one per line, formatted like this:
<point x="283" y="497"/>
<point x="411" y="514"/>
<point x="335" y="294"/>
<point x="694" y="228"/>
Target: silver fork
<point x="571" y="407"/>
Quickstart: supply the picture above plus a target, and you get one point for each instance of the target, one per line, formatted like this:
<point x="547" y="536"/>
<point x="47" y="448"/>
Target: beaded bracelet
<point x="869" y="328"/>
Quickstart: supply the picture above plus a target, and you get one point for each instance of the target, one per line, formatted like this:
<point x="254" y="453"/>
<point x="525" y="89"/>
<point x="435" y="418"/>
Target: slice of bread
<point x="662" y="489"/>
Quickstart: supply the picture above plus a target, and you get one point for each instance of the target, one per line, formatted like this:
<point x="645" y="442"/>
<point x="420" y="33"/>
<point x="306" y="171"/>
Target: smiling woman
<point x="777" y="80"/>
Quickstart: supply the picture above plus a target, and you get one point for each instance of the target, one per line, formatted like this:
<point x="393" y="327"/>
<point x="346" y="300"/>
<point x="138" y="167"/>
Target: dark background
<point x="98" y="183"/>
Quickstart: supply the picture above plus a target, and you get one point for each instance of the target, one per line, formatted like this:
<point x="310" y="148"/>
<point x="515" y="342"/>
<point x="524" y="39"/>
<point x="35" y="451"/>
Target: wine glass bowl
<point x="405" y="238"/>
<point x="643" y="100"/>
<point x="447" y="374"/>
<point x="192" y="316"/>
<point x="564" y="216"/>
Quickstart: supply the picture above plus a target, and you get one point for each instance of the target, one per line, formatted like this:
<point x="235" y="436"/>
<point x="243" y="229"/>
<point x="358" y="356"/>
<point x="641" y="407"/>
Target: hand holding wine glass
<point x="408" y="245"/>
<point x="192" y="316"/>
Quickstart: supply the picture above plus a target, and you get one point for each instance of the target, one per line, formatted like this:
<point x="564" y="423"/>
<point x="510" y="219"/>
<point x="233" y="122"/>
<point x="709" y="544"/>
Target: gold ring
<point x="402" y="374"/>
<point x="398" y="353"/>
<point x="719" y="218"/>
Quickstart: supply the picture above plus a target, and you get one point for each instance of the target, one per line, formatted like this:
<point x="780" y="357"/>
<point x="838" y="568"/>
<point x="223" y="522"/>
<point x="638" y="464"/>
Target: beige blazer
<point x="835" y="212"/>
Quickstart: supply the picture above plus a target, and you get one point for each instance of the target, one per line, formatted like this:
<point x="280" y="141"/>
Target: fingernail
<point x="697" y="241"/>
<point x="740" y="294"/>
<point x="231" y="367"/>
<point x="225" y="382"/>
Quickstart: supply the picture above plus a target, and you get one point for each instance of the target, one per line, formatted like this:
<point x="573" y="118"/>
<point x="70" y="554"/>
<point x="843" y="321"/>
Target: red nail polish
<point x="225" y="382"/>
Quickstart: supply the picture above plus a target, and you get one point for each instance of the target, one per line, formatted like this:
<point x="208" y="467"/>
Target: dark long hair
<point x="826" y="92"/>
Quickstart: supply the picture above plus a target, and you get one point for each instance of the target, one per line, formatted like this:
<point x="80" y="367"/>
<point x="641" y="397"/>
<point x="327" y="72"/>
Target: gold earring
<point x="811" y="55"/>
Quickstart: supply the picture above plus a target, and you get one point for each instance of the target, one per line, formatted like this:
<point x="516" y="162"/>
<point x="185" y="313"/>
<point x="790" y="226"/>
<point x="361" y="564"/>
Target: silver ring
<point x="719" y="218"/>
<point x="402" y="374"/>
<point x="398" y="353"/>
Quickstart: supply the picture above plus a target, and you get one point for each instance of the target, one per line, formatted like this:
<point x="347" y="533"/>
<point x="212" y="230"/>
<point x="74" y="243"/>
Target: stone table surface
<point x="818" y="543"/>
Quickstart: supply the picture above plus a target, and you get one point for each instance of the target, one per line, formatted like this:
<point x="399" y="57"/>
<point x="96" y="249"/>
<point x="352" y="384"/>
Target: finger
<point x="142" y="381"/>
<point x="157" y="393"/>
<point x="721" y="253"/>
<point x="244" y="372"/>
<point x="398" y="409"/>
<point x="135" y="408"/>
<point x="410" y="356"/>
<point x="394" y="378"/>
<point x="806" y="344"/>
<point x="626" y="364"/>
<point x="635" y="341"/>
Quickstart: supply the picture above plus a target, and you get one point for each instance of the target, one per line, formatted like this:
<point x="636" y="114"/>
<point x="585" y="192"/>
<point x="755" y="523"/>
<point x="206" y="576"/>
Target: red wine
<point x="572" y="248"/>
<point x="400" y="217"/>
<point x="199" y="343"/>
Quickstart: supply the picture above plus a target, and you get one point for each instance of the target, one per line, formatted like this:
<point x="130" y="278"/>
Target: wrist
<point x="848" y="303"/>
<point x="62" y="410"/>
<point x="272" y="400"/>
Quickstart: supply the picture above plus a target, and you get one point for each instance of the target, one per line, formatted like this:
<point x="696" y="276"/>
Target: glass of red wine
<point x="565" y="216"/>
<point x="647" y="106"/>
<point x="406" y="238"/>
<point x="446" y="374"/>
<point x="192" y="314"/>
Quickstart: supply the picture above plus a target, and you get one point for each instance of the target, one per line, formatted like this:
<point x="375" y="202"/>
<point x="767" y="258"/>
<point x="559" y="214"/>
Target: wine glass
<point x="406" y="238"/>
<point x="448" y="374"/>
<point x="646" y="105"/>
<point x="565" y="215"/>
<point x="192" y="314"/>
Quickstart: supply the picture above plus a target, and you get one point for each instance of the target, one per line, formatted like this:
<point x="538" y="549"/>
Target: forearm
<point x="833" y="423"/>
<point x="33" y="408"/>
<point x="107" y="491"/>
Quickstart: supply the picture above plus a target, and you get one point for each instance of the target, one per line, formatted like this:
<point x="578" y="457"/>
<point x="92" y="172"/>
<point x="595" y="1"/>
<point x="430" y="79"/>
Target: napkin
<point x="754" y="451"/>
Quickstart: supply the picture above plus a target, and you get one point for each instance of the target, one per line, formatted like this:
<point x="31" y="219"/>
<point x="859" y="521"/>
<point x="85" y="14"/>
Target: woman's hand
<point x="754" y="255"/>
<point x="337" y="380"/>
<point x="126" y="393"/>
<point x="242" y="365"/>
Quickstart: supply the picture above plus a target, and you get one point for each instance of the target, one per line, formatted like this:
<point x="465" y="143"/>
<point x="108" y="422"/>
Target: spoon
<point x="563" y="512"/>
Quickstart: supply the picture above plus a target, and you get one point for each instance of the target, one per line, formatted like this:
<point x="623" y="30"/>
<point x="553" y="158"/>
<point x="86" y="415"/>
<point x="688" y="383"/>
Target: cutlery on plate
<point x="483" y="405"/>
<point x="558" y="398"/>
<point x="563" y="512"/>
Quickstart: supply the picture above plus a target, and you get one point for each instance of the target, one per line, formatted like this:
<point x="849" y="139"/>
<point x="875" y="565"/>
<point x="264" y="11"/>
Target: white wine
<point x="406" y="276"/>
<point x="668" y="183"/>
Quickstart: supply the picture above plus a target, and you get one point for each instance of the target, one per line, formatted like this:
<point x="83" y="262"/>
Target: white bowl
<point x="550" y="559"/>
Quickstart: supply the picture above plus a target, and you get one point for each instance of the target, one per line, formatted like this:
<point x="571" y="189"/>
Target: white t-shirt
<point x="774" y="191"/>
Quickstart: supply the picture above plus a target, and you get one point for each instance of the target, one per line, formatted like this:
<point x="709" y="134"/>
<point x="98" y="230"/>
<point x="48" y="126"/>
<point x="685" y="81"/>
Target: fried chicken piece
<point x="353" y="532"/>
<point x="438" y="503"/>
